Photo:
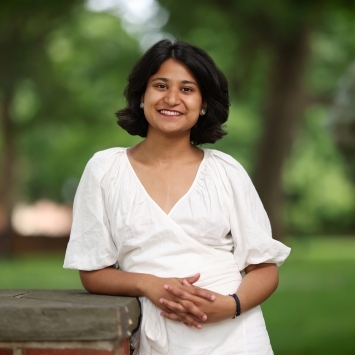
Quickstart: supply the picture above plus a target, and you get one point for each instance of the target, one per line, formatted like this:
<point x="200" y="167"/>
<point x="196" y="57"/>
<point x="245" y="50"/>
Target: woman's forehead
<point x="175" y="70"/>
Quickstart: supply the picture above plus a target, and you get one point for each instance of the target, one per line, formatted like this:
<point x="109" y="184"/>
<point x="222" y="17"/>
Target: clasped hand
<point x="181" y="301"/>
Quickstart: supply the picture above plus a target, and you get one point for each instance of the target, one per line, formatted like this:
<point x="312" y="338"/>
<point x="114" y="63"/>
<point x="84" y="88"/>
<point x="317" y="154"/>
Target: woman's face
<point x="172" y="100"/>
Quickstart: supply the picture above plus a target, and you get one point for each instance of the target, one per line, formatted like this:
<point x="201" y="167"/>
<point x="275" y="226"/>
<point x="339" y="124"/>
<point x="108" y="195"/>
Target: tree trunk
<point x="7" y="172"/>
<point x="285" y="105"/>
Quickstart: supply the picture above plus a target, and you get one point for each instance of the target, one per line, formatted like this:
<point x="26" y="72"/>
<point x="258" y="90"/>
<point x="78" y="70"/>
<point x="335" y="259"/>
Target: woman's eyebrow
<point x="165" y="80"/>
<point x="188" y="82"/>
<point x="161" y="79"/>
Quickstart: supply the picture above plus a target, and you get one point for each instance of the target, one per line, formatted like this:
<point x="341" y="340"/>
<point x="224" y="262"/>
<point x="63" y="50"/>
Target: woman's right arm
<point x="110" y="281"/>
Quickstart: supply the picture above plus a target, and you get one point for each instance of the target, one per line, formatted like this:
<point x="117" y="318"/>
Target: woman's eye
<point x="186" y="89"/>
<point x="160" y="86"/>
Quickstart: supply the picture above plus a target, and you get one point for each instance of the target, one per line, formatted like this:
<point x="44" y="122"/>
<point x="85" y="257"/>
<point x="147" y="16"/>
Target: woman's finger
<point x="182" y="317"/>
<point x="186" y="283"/>
<point x="173" y="306"/>
<point x="194" y="310"/>
<point x="200" y="292"/>
<point x="190" y="291"/>
<point x="192" y="279"/>
<point x="184" y="307"/>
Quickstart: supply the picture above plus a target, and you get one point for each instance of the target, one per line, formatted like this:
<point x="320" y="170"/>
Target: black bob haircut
<point x="212" y="83"/>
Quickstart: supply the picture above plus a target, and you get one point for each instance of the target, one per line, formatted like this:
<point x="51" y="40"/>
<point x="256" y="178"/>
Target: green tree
<point x="24" y="26"/>
<point x="342" y="118"/>
<point x="62" y="73"/>
<point x="266" y="51"/>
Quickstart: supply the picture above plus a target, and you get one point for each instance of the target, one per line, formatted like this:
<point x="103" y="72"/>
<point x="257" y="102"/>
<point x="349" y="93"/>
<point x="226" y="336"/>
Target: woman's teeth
<point x="170" y="113"/>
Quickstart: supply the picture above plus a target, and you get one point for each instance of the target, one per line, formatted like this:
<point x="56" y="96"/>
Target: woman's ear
<point x="203" y="109"/>
<point x="141" y="105"/>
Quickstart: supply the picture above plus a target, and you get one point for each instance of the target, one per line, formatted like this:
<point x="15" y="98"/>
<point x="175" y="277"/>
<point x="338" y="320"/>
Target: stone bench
<point x="61" y="322"/>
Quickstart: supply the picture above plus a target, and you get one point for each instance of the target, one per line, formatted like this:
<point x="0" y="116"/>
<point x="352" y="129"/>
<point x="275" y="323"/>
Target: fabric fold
<point x="219" y="273"/>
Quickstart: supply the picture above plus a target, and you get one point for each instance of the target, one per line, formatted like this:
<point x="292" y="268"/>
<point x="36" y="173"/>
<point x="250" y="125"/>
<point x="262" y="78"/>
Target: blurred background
<point x="291" y="71"/>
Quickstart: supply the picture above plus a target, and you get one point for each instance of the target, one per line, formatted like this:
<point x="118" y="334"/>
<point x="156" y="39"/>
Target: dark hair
<point x="212" y="83"/>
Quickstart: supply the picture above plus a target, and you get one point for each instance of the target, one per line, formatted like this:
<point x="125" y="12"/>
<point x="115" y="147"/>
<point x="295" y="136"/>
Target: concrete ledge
<point x="45" y="315"/>
<point x="66" y="348"/>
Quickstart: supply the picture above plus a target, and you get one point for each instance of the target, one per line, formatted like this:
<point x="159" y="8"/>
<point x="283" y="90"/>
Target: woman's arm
<point x="258" y="284"/>
<point x="110" y="281"/>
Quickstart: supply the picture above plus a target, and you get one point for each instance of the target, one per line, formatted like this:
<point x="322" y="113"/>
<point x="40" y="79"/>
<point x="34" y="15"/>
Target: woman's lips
<point x="170" y="113"/>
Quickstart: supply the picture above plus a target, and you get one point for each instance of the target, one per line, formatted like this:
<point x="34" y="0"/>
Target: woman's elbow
<point x="268" y="272"/>
<point x="87" y="279"/>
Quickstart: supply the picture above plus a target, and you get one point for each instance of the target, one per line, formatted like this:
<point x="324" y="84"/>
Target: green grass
<point x="311" y="313"/>
<point x="37" y="271"/>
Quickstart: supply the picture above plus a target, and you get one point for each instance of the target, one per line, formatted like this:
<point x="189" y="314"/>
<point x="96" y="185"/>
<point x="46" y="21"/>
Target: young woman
<point x="184" y="225"/>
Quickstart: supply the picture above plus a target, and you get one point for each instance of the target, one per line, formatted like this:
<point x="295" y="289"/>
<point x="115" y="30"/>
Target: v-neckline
<point x="198" y="173"/>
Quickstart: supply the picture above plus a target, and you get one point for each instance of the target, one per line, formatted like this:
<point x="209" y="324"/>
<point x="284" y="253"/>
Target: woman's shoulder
<point x="107" y="154"/>
<point x="226" y="161"/>
<point x="102" y="160"/>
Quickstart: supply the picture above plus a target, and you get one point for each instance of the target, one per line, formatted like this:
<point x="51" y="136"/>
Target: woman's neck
<point x="166" y="149"/>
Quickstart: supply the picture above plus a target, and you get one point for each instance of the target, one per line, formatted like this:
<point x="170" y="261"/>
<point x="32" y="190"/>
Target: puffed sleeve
<point x="253" y="238"/>
<point x="91" y="246"/>
<point x="250" y="225"/>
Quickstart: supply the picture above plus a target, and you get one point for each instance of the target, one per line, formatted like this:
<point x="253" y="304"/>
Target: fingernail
<point x="213" y="297"/>
<point x="166" y="287"/>
<point x="199" y="326"/>
<point x="161" y="300"/>
<point x="204" y="317"/>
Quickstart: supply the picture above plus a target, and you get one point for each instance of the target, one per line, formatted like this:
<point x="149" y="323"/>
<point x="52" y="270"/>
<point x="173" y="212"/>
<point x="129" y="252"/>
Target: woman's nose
<point x="172" y="97"/>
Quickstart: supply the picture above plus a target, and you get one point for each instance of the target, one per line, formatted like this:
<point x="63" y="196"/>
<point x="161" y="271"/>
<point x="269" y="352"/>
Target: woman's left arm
<point x="257" y="285"/>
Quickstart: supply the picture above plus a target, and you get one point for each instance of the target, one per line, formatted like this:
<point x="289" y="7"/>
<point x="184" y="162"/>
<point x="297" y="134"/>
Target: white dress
<point x="217" y="228"/>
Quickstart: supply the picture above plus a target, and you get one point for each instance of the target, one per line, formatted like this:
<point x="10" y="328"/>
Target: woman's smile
<point x="170" y="113"/>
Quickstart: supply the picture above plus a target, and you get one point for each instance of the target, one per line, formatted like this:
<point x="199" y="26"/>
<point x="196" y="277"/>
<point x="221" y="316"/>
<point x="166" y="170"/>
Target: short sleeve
<point x="250" y="225"/>
<point x="253" y="238"/>
<point x="91" y="246"/>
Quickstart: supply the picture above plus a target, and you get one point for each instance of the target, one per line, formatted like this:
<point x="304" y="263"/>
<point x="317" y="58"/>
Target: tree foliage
<point x="342" y="118"/>
<point x="65" y="93"/>
<point x="61" y="81"/>
<point x="279" y="60"/>
<point x="63" y="70"/>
